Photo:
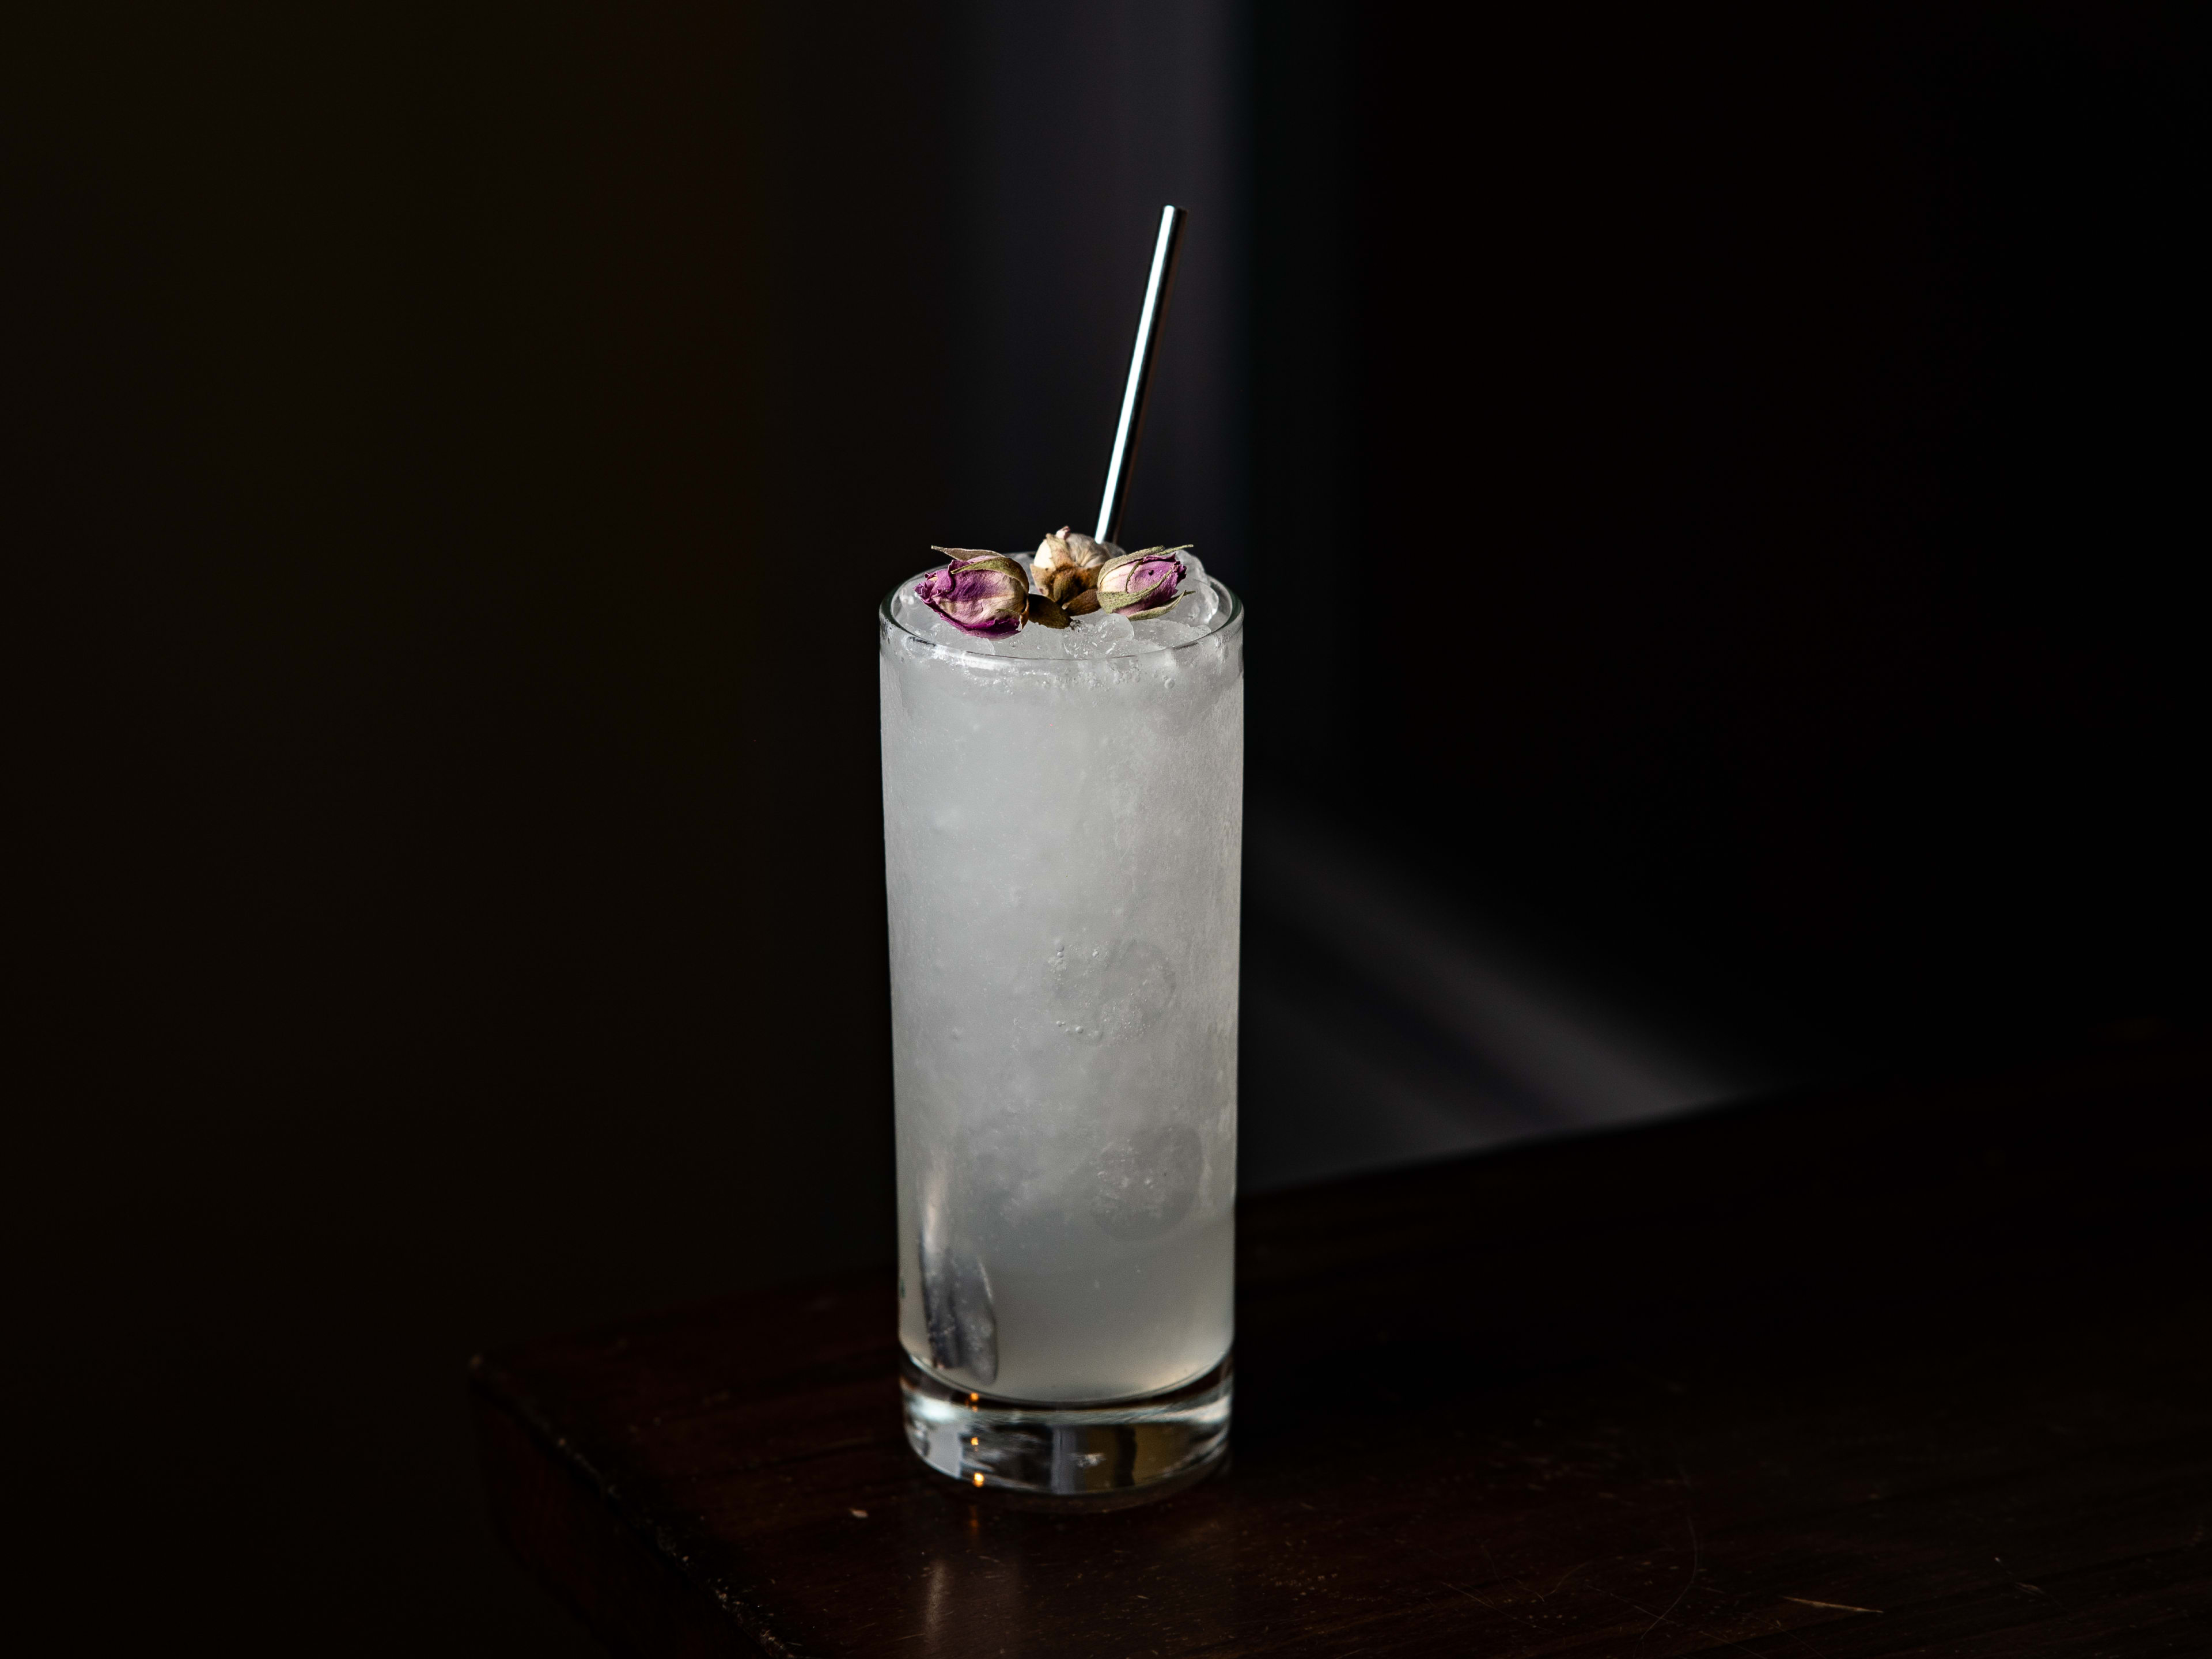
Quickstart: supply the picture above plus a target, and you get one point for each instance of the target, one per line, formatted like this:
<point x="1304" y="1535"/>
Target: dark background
<point x="1717" y="486"/>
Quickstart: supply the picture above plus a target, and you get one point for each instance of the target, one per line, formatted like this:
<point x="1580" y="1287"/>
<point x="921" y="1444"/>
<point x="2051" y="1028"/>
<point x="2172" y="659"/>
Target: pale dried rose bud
<point x="1145" y="584"/>
<point x="978" y="592"/>
<point x="1068" y="561"/>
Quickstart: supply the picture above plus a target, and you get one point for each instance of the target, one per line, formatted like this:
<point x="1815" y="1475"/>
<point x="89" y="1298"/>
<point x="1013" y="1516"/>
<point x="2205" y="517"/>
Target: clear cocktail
<point x="1063" y="823"/>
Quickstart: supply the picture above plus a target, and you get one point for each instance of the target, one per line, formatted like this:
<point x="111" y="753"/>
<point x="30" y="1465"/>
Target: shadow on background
<point x="1709" y="490"/>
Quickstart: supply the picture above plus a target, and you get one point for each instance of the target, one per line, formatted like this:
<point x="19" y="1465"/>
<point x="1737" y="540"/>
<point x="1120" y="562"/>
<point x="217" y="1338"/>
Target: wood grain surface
<point x="1922" y="1369"/>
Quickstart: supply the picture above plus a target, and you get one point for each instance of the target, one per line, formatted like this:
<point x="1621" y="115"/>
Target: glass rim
<point x="1230" y="614"/>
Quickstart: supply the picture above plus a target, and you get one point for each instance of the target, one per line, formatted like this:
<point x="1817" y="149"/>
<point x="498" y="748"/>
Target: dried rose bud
<point x="1142" y="584"/>
<point x="978" y="592"/>
<point x="1068" y="561"/>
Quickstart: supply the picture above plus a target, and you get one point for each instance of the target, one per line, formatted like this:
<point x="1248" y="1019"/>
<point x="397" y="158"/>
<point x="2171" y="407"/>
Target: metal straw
<point x="1157" y="288"/>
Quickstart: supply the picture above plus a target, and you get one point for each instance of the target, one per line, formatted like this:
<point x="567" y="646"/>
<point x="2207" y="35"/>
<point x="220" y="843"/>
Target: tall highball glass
<point x="1063" y="823"/>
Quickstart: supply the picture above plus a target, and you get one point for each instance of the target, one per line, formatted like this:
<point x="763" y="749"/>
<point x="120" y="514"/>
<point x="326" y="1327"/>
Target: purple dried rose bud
<point x="978" y="592"/>
<point x="1145" y="584"/>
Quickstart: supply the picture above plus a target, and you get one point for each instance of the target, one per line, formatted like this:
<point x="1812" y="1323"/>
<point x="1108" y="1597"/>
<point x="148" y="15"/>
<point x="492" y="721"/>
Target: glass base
<point x="1070" y="1456"/>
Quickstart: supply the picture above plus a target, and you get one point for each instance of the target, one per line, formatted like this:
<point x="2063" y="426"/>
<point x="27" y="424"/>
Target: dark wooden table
<point x="1924" y="1370"/>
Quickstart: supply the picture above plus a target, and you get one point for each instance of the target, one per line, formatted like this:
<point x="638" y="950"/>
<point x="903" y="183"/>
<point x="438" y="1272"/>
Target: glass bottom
<point x="1070" y="1456"/>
